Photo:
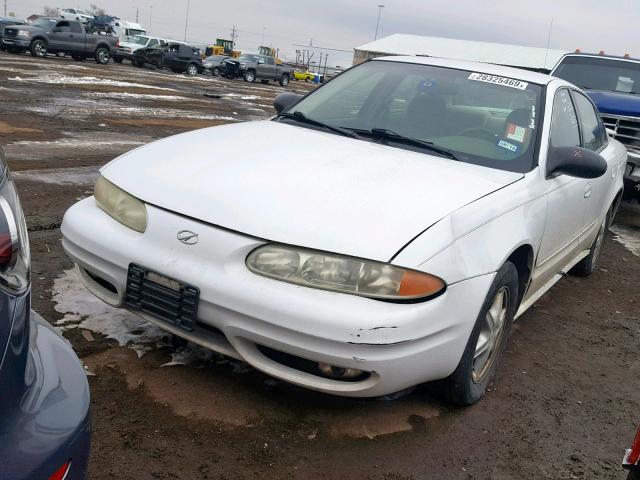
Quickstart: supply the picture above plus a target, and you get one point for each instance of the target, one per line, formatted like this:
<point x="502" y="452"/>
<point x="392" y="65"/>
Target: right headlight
<point x="340" y="273"/>
<point x="120" y="205"/>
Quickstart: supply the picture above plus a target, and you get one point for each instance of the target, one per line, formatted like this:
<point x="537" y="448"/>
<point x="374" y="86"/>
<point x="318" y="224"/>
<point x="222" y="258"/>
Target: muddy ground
<point x="564" y="405"/>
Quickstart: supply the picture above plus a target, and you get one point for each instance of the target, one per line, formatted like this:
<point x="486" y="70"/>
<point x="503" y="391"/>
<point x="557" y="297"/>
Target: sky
<point x="591" y="25"/>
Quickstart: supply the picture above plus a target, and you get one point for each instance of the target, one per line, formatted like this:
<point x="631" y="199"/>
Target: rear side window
<point x="564" y="123"/>
<point x="593" y="133"/>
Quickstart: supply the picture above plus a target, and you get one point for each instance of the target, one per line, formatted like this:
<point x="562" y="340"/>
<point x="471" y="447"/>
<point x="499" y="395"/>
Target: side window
<point x="564" y="124"/>
<point x="76" y="28"/>
<point x="152" y="42"/>
<point x="270" y="61"/>
<point x="590" y="123"/>
<point x="63" y="26"/>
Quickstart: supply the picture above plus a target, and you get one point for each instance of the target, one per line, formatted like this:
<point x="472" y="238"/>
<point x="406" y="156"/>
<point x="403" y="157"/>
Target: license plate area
<point x="162" y="297"/>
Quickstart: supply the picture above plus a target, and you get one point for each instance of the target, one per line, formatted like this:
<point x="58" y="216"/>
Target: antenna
<point x="546" y="54"/>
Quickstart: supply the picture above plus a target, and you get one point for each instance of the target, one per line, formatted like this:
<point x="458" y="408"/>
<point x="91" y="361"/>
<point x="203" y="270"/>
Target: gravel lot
<point x="565" y="403"/>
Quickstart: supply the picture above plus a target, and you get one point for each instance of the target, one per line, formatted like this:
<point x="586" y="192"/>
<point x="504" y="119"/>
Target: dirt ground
<point x="565" y="402"/>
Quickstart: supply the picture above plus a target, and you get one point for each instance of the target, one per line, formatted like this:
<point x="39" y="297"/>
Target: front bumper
<point x="632" y="170"/>
<point x="45" y="419"/>
<point x="16" y="42"/>
<point x="400" y="345"/>
<point x="118" y="53"/>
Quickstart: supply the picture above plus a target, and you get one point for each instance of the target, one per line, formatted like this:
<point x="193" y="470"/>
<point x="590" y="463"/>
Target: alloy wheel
<point x="490" y="337"/>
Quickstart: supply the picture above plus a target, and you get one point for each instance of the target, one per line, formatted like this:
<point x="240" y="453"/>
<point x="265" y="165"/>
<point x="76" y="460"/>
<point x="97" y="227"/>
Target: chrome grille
<point x="10" y="32"/>
<point x="625" y="129"/>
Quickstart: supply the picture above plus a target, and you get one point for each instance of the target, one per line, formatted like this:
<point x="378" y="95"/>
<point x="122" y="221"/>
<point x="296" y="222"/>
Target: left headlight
<point x="23" y="33"/>
<point x="339" y="273"/>
<point x="120" y="205"/>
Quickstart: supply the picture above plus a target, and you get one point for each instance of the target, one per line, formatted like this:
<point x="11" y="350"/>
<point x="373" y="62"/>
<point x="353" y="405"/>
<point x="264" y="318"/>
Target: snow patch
<point x="82" y="310"/>
<point x="140" y="96"/>
<point x="627" y="236"/>
<point x="60" y="176"/>
<point x="59" y="79"/>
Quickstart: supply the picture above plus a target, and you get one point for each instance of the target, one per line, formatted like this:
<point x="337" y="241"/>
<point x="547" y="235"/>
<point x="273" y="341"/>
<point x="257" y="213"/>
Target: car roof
<point x="491" y="69"/>
<point x="598" y="55"/>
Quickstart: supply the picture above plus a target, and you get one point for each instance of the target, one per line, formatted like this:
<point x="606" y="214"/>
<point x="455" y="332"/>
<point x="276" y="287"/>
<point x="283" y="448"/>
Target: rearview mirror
<point x="575" y="162"/>
<point x="285" y="100"/>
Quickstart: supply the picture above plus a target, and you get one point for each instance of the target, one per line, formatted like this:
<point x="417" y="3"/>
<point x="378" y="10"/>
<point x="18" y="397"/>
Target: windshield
<point x="140" y="40"/>
<point x="44" y="22"/>
<point x="481" y="119"/>
<point x="606" y="74"/>
<point x="135" y="31"/>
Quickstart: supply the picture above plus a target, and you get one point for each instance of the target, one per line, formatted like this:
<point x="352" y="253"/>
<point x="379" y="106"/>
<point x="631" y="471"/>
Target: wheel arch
<point x="523" y="259"/>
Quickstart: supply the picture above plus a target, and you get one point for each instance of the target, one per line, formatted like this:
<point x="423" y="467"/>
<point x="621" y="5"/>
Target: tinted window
<point x="564" y="124"/>
<point x="270" y="61"/>
<point x="152" y="42"/>
<point x="75" y="27"/>
<point x="590" y="123"/>
<point x="63" y="26"/>
<point x="600" y="73"/>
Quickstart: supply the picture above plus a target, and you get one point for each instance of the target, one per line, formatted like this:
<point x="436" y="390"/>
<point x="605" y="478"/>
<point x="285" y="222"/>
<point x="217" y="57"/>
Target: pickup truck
<point x="55" y="35"/>
<point x="252" y="67"/>
<point x="613" y="83"/>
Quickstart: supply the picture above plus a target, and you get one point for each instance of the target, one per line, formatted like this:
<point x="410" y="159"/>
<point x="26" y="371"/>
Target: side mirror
<point x="575" y="162"/>
<point x="285" y="100"/>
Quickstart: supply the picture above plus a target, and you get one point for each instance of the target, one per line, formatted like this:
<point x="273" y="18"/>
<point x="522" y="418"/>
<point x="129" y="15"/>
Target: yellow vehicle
<point x="213" y="50"/>
<point x="306" y="76"/>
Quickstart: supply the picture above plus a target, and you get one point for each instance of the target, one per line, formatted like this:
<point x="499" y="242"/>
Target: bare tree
<point x="96" y="10"/>
<point x="49" y="11"/>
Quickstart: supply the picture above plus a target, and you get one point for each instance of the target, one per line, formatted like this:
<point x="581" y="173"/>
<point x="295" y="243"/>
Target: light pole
<point x="186" y="21"/>
<point x="263" y="30"/>
<point x="380" y="7"/>
<point x="150" y="17"/>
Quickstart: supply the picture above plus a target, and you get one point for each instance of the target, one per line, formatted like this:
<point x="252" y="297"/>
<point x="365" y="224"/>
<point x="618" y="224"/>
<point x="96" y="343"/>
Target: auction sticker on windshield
<point x="507" y="82"/>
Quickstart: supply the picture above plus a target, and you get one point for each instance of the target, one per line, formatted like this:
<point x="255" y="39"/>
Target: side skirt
<point x="534" y="297"/>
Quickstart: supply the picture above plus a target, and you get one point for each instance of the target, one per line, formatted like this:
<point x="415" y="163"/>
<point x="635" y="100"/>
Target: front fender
<point x="479" y="238"/>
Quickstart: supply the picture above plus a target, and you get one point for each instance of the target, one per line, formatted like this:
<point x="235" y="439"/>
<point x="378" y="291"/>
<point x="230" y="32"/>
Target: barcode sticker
<point x="504" y="81"/>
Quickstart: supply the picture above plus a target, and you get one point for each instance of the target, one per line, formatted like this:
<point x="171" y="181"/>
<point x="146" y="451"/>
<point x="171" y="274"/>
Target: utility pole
<point x="137" y="14"/>
<point x="150" y="16"/>
<point x="380" y="7"/>
<point x="186" y="21"/>
<point x="263" y="30"/>
<point x="234" y="35"/>
<point x="5" y="8"/>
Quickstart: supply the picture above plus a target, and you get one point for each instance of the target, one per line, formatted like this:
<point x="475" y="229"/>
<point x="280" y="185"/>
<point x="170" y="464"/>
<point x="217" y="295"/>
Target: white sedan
<point x="75" y="14"/>
<point x="434" y="203"/>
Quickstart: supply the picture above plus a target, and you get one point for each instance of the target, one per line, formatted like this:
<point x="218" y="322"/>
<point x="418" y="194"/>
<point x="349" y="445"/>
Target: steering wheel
<point x="479" y="132"/>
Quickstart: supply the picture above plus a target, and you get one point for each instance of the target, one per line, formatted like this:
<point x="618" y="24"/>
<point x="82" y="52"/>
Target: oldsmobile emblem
<point x="187" y="237"/>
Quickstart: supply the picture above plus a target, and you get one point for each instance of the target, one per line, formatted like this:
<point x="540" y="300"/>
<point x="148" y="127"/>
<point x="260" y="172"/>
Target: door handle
<point x="587" y="190"/>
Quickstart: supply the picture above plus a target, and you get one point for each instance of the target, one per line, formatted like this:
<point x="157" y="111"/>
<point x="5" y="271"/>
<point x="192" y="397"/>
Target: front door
<point x="565" y="199"/>
<point x="60" y="36"/>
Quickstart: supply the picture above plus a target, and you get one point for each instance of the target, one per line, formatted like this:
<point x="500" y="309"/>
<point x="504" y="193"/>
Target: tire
<point x="249" y="76"/>
<point x="38" y="48"/>
<point x="284" y="80"/>
<point x="587" y="265"/>
<point x="102" y="55"/>
<point x="191" y="70"/>
<point x="138" y="63"/>
<point x="468" y="383"/>
<point x="306" y="79"/>
<point x="215" y="72"/>
<point x="117" y="59"/>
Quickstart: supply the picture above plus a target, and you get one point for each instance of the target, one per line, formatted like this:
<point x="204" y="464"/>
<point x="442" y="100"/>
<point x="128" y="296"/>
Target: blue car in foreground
<point x="44" y="394"/>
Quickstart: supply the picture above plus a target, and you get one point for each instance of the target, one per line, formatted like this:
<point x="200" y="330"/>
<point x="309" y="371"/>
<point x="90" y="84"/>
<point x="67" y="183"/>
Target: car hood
<point x="303" y="187"/>
<point x="131" y="45"/>
<point x="616" y="103"/>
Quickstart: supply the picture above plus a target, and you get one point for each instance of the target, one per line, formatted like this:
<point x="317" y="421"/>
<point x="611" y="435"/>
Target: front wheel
<point x="284" y="80"/>
<point x="102" y="55"/>
<point x="216" y="71"/>
<point x="249" y="76"/>
<point x="38" y="48"/>
<point x="192" y="69"/>
<point x="468" y="383"/>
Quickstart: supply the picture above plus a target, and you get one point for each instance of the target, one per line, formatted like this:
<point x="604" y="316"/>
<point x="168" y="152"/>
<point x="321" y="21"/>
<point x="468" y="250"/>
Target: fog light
<point x="333" y="371"/>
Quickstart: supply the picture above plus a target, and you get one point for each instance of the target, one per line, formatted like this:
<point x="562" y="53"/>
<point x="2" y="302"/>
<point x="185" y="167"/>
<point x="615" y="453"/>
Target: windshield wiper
<point x="383" y="133"/>
<point x="302" y="118"/>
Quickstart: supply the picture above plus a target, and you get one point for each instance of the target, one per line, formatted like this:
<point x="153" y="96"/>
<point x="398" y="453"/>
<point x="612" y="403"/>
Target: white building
<point x="532" y="58"/>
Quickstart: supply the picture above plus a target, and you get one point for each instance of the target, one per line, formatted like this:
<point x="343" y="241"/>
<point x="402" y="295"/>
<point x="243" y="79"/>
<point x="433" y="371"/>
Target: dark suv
<point x="178" y="57"/>
<point x="44" y="395"/>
